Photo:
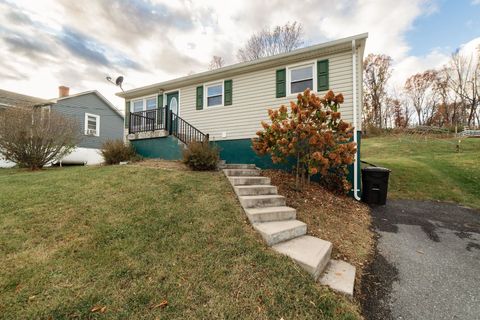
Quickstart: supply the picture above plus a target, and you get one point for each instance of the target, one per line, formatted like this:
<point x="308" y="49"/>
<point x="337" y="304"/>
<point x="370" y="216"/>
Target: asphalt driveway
<point x="427" y="263"/>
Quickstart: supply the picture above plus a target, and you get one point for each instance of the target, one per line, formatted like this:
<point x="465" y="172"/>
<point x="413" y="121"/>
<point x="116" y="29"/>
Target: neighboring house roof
<point x="243" y="67"/>
<point x="98" y="94"/>
<point x="13" y="99"/>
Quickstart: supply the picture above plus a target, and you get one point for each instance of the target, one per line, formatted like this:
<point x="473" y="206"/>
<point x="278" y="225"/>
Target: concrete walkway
<point x="279" y="228"/>
<point x="427" y="264"/>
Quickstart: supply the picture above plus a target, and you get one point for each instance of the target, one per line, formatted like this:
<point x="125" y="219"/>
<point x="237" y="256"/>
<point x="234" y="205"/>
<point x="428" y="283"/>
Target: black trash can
<point x="375" y="185"/>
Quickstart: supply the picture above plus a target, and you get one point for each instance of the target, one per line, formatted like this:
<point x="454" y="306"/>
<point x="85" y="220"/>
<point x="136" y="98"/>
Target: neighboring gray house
<point x="99" y="121"/>
<point x="97" y="118"/>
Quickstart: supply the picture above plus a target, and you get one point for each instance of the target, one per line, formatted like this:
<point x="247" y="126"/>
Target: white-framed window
<point x="214" y="94"/>
<point x="92" y="124"/>
<point x="301" y="77"/>
<point x="144" y="104"/>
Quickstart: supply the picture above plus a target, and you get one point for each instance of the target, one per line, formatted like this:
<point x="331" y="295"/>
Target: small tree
<point x="313" y="135"/>
<point x="34" y="137"/>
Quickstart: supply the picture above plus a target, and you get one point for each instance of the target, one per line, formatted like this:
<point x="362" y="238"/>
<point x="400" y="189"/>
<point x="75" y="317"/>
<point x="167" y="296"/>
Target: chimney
<point x="63" y="91"/>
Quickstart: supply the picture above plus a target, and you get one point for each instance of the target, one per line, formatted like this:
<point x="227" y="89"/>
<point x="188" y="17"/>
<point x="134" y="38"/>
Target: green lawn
<point x="428" y="168"/>
<point x="128" y="237"/>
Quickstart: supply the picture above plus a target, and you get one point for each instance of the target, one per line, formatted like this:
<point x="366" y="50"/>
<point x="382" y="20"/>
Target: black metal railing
<point x="149" y="120"/>
<point x="184" y="131"/>
<point x="165" y="119"/>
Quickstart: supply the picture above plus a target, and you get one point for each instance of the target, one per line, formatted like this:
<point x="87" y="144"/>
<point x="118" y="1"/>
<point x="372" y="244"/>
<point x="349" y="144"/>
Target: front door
<point x="172" y="102"/>
<point x="173" y="105"/>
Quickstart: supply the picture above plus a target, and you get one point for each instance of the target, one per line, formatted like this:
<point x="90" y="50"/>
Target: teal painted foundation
<point x="240" y="151"/>
<point x="166" y="148"/>
<point x="232" y="151"/>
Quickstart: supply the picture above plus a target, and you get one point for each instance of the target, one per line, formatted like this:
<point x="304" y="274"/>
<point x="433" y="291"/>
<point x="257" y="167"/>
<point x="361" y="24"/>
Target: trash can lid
<point x="376" y="169"/>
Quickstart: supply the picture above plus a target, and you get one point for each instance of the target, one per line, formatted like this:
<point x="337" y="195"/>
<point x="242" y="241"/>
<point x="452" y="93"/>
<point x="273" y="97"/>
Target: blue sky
<point x="452" y="23"/>
<point x="48" y="43"/>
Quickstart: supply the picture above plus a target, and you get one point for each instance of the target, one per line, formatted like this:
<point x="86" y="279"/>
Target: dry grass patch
<point x="162" y="164"/>
<point x="338" y="219"/>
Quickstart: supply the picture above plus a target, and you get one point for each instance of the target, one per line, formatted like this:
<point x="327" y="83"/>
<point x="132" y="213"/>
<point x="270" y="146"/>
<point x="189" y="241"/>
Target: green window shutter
<point x="281" y="81"/>
<point x="159" y="106"/>
<point x="127" y="114"/>
<point x="227" y="87"/>
<point x="199" y="97"/>
<point x="160" y="101"/>
<point x="322" y="75"/>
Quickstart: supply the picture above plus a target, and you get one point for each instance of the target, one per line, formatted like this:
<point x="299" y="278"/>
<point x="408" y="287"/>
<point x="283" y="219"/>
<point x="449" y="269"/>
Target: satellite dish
<point x="119" y="81"/>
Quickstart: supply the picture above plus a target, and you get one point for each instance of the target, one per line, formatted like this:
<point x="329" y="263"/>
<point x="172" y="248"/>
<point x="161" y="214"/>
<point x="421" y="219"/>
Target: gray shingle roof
<point x="10" y="99"/>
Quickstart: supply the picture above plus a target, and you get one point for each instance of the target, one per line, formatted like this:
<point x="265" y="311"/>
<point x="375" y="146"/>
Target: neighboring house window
<point x="301" y="78"/>
<point x="92" y="124"/>
<point x="214" y="94"/>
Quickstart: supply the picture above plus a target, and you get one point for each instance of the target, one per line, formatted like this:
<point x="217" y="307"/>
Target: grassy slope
<point x="428" y="168"/>
<point x="129" y="237"/>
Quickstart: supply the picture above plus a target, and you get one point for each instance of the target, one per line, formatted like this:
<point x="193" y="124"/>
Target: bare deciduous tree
<point x="418" y="89"/>
<point x="216" y="63"/>
<point x="464" y="80"/>
<point x="34" y="137"/>
<point x="270" y="42"/>
<point x="448" y="111"/>
<point x="377" y="73"/>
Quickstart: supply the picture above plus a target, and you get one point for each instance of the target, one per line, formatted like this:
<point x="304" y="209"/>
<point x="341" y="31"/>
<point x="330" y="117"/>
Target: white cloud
<point x="172" y="38"/>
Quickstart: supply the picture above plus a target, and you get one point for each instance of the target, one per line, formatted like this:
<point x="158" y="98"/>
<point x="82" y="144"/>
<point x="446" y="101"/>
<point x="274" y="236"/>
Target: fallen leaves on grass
<point x="162" y="304"/>
<point x="100" y="309"/>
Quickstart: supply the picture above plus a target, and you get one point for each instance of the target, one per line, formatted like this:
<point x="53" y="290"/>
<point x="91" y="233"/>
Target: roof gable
<point x="98" y="94"/>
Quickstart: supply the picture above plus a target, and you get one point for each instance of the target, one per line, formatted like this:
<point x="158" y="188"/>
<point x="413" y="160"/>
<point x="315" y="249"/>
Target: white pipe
<point x="354" y="75"/>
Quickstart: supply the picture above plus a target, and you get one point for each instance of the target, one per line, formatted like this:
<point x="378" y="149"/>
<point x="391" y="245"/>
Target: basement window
<point x="214" y="94"/>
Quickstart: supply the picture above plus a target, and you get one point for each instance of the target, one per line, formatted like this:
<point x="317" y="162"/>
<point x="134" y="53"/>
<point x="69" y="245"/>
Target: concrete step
<point x="241" y="172"/>
<point x="277" y="231"/>
<point x="242" y="181"/>
<point x="239" y="166"/>
<point x="311" y="253"/>
<point x="270" y="214"/>
<point x="262" y="201"/>
<point x="340" y="276"/>
<point x="254" y="190"/>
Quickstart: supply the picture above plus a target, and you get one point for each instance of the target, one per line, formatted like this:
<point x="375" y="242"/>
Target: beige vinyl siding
<point x="253" y="95"/>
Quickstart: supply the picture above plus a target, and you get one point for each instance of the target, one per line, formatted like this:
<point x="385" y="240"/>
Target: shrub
<point x="312" y="134"/>
<point x="201" y="156"/>
<point x="115" y="151"/>
<point x="33" y="137"/>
